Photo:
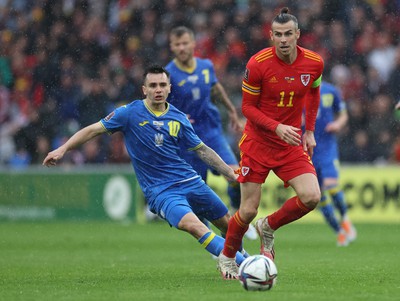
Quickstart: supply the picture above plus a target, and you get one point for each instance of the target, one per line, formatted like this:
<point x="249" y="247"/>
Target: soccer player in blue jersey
<point x="195" y="89"/>
<point x="154" y="131"/>
<point x="332" y="117"/>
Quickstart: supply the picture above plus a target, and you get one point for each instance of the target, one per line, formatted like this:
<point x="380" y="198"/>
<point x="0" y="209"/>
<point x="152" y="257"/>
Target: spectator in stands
<point x="117" y="150"/>
<point x="381" y="58"/>
<point x="381" y="126"/>
<point x="393" y="86"/>
<point x="95" y="104"/>
<point x="360" y="148"/>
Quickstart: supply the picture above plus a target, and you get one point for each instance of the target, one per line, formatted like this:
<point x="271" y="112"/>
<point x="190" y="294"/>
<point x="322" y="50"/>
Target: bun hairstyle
<point x="284" y="10"/>
<point x="284" y="17"/>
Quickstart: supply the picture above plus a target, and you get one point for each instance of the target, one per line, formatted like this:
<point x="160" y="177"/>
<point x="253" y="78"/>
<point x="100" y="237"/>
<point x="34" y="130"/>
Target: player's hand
<point x="309" y="142"/>
<point x="333" y="127"/>
<point x="52" y="157"/>
<point x="235" y="123"/>
<point x="289" y="134"/>
<point x="232" y="177"/>
<point x="233" y="174"/>
<point x="191" y="120"/>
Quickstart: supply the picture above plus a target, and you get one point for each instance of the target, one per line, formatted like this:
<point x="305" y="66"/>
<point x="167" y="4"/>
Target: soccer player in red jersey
<point x="279" y="83"/>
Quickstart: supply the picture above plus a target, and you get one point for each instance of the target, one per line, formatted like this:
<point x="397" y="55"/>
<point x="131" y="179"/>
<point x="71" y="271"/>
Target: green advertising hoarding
<point x="112" y="192"/>
<point x="65" y="193"/>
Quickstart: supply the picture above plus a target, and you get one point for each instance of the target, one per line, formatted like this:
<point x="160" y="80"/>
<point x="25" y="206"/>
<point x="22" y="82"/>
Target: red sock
<point x="290" y="211"/>
<point x="236" y="230"/>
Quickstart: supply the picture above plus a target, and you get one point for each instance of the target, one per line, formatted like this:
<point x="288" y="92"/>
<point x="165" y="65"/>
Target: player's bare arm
<point x="289" y="134"/>
<point x="338" y="124"/>
<point x="211" y="158"/>
<point x="75" y="141"/>
<point x="218" y="93"/>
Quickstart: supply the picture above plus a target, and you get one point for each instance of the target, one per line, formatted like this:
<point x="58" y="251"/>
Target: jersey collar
<point x="186" y="69"/>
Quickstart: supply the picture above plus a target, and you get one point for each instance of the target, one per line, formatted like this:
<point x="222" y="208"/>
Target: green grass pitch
<point x="111" y="261"/>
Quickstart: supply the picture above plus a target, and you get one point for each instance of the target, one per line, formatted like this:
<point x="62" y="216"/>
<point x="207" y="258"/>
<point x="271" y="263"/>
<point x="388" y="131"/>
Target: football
<point x="258" y="273"/>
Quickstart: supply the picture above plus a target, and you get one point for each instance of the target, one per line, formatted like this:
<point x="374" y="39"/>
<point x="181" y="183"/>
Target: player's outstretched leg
<point x="266" y="238"/>
<point x="214" y="245"/>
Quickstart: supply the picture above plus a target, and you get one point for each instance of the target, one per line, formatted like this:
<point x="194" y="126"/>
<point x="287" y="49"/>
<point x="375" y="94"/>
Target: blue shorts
<point x="326" y="169"/>
<point x="221" y="146"/>
<point x="191" y="196"/>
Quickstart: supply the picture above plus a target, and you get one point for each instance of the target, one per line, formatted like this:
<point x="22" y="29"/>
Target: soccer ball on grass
<point x="258" y="273"/>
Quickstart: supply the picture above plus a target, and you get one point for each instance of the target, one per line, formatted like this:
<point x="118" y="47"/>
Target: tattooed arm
<point x="211" y="158"/>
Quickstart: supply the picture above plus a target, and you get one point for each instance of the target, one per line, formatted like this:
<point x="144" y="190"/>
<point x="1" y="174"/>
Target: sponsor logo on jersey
<point x="305" y="79"/>
<point x="158" y="124"/>
<point x="144" y="123"/>
<point x="245" y="170"/>
<point x="159" y="139"/>
<point x="109" y="116"/>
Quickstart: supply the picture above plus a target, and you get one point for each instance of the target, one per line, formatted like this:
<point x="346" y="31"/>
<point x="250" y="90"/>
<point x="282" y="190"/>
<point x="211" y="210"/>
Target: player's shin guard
<point x="214" y="244"/>
<point x="236" y="230"/>
<point x="290" y="211"/>
<point x="329" y="214"/>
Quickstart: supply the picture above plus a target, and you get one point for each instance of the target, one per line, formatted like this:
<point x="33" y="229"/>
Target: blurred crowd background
<point x="68" y="63"/>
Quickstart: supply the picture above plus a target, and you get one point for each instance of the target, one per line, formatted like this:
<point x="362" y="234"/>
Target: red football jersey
<point x="275" y="92"/>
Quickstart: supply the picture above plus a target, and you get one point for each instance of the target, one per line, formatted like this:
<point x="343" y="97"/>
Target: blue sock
<point x="338" y="200"/>
<point x="234" y="195"/>
<point x="329" y="214"/>
<point x="214" y="244"/>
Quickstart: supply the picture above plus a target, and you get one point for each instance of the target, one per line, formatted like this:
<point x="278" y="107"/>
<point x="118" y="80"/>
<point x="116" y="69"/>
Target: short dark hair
<point x="180" y="31"/>
<point x="155" y="69"/>
<point x="284" y="17"/>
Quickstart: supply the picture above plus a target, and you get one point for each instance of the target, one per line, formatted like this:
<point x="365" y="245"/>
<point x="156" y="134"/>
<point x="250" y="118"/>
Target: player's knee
<point x="314" y="200"/>
<point x="247" y="214"/>
<point x="311" y="199"/>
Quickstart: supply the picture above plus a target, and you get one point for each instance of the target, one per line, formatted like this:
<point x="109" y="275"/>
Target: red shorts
<point x="257" y="160"/>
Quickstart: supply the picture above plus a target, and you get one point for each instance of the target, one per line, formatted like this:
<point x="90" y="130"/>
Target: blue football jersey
<point x="191" y="93"/>
<point x="331" y="104"/>
<point x="153" y="143"/>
